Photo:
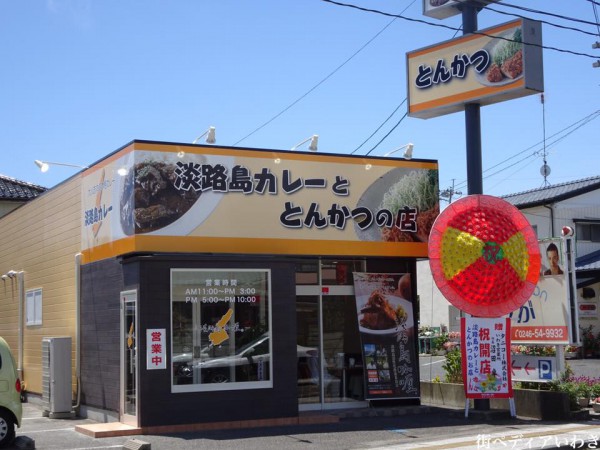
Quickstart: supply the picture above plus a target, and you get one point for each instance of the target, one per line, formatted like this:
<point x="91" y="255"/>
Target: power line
<point x="448" y="27"/>
<point x="545" y="13"/>
<point x="388" y="133"/>
<point x="596" y="16"/>
<point x="580" y="123"/>
<point x="287" y="108"/>
<point x="379" y="127"/>
<point x="542" y="21"/>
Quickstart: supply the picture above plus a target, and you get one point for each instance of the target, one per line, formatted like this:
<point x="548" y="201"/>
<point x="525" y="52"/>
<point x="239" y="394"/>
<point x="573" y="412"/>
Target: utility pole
<point x="450" y="192"/>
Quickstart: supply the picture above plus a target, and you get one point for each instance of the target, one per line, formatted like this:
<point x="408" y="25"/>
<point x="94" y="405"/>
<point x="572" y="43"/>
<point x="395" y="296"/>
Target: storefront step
<point x="390" y="411"/>
<point x="113" y="429"/>
<point x="109" y="429"/>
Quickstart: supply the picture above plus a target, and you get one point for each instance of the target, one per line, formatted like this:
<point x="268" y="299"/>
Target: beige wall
<point x="41" y="239"/>
<point x="6" y="207"/>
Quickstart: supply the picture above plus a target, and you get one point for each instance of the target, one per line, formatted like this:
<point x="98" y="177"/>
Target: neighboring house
<point x="575" y="204"/>
<point x="14" y="193"/>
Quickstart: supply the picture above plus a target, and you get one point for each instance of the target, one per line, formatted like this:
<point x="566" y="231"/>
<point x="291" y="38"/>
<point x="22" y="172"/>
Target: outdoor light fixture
<point x="407" y="153"/>
<point x="210" y="136"/>
<point x="45" y="165"/>
<point x="314" y="140"/>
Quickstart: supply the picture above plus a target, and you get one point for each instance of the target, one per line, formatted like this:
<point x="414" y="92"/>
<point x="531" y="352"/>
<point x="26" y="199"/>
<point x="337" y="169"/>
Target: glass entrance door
<point x="129" y="360"/>
<point x="330" y="369"/>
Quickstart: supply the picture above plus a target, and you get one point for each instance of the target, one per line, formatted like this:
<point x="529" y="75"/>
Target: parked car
<point x="241" y="366"/>
<point x="11" y="410"/>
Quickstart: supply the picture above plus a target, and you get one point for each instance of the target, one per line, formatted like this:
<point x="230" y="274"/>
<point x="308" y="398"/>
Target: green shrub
<point x="438" y="342"/>
<point x="453" y="367"/>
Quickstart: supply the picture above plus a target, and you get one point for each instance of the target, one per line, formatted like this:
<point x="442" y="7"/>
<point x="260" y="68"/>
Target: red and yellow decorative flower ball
<point x="484" y="256"/>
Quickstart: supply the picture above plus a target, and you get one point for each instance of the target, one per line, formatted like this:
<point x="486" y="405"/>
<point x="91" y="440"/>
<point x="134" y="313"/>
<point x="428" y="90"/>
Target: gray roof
<point x="553" y="193"/>
<point x="15" y="190"/>
<point x="591" y="261"/>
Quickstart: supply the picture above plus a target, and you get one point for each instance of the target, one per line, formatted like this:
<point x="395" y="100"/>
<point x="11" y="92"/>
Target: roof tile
<point x="11" y="189"/>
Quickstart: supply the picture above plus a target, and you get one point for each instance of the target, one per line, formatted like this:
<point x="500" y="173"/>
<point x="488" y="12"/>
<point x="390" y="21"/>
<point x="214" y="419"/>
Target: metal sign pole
<point x="473" y="142"/>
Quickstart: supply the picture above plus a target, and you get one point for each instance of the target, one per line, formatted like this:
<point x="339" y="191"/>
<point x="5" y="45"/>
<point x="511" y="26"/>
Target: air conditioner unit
<point x="56" y="377"/>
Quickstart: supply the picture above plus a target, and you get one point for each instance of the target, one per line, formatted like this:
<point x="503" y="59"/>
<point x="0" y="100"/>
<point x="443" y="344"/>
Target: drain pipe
<point x="21" y="296"/>
<point x="77" y="329"/>
<point x="551" y="219"/>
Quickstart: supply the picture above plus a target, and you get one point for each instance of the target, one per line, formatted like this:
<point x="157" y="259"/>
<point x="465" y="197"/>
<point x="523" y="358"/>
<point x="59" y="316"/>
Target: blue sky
<point x="81" y="78"/>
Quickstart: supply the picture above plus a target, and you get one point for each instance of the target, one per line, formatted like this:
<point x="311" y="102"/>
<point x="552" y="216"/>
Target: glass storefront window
<point x="339" y="272"/>
<point x="220" y="329"/>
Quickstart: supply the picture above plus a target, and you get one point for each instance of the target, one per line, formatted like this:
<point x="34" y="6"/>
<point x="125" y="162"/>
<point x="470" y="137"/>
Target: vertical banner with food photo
<point x="386" y="324"/>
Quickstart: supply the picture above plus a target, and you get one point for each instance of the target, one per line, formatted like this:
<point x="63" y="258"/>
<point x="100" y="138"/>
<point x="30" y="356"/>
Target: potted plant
<point x="596" y="396"/>
<point x="571" y="351"/>
<point x="590" y="342"/>
<point x="438" y="344"/>
<point x="584" y="393"/>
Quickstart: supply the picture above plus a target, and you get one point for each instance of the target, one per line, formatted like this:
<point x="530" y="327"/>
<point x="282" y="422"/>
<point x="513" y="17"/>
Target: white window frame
<point x="33" y="307"/>
<point x="230" y="386"/>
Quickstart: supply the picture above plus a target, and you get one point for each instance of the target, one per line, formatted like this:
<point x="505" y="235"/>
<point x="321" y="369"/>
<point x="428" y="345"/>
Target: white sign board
<point x="156" y="352"/>
<point x="534" y="368"/>
<point x="545" y="318"/>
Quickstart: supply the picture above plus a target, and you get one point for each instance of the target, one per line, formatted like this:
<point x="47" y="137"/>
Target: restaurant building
<point x="195" y="281"/>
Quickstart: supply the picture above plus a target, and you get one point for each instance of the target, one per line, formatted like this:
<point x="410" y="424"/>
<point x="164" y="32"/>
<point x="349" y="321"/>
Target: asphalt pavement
<point x="394" y="428"/>
<point x="416" y="427"/>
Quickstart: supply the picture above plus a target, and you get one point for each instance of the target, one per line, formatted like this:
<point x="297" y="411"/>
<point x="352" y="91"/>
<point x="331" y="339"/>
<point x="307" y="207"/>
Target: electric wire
<point x="545" y="13"/>
<point x="387" y="134"/>
<point x="575" y="126"/>
<point x="379" y="127"/>
<point x="534" y="154"/>
<point x="295" y="102"/>
<point x="448" y="27"/>
<point x="564" y="27"/>
<point x="596" y="16"/>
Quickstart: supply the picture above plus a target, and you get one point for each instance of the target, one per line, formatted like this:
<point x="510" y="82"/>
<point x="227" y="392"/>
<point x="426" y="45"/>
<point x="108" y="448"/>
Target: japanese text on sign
<point x="216" y="178"/>
<point x="486" y="357"/>
<point x="429" y="76"/>
<point x="156" y="349"/>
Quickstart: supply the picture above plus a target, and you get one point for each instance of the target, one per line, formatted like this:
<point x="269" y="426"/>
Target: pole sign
<point x="442" y="9"/>
<point x="545" y="318"/>
<point x="489" y="66"/>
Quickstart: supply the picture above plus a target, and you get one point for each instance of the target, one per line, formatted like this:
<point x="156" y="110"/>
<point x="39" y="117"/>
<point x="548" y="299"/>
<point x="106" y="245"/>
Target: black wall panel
<point x="158" y="406"/>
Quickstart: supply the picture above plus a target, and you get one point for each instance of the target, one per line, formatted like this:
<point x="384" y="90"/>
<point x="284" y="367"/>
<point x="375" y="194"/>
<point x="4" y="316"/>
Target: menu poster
<point x="485" y="349"/>
<point x="387" y="333"/>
